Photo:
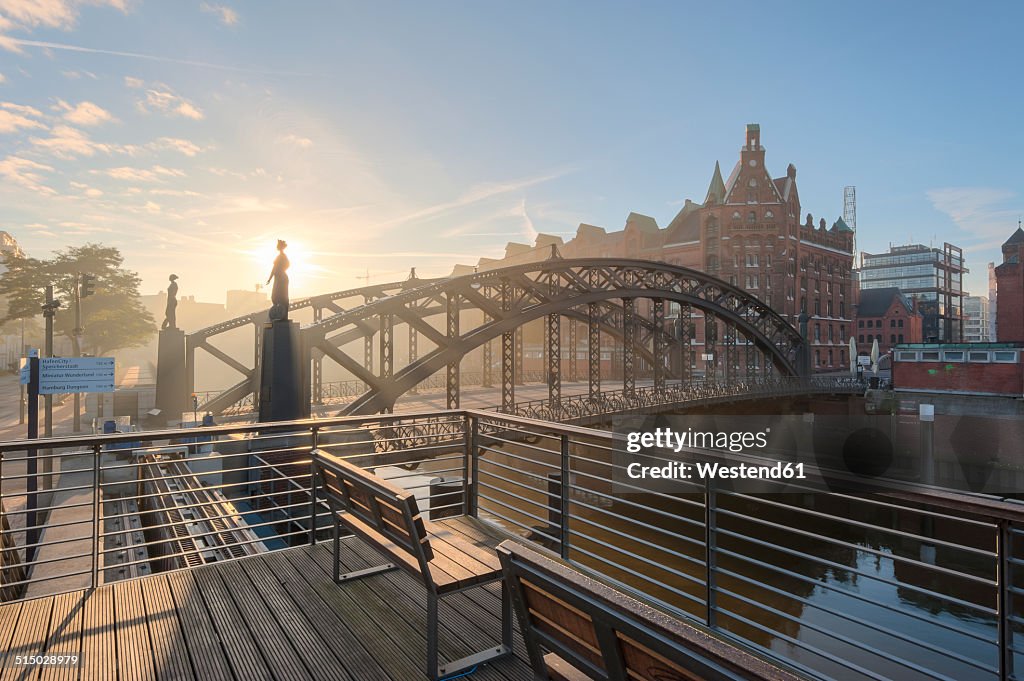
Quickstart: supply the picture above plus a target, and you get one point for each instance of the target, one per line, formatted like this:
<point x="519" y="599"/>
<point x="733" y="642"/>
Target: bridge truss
<point x="582" y="303"/>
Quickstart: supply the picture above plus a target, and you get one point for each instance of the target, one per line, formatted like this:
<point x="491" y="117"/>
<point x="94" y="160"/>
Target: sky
<point x="375" y="137"/>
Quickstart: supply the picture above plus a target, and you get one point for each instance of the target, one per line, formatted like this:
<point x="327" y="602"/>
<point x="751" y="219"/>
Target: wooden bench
<point x="578" y="629"/>
<point x="387" y="517"/>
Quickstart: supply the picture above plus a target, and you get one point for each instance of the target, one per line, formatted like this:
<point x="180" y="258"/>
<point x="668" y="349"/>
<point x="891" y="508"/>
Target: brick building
<point x="888" y="316"/>
<point x="961" y="368"/>
<point x="1010" y="290"/>
<point x="748" y="232"/>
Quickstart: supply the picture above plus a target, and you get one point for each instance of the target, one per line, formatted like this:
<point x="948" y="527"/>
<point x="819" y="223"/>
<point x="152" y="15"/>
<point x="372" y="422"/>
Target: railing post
<point x="95" y="582"/>
<point x="472" y="467"/>
<point x="710" y="549"/>
<point x="1004" y="600"/>
<point x="565" y="494"/>
<point x="314" y="444"/>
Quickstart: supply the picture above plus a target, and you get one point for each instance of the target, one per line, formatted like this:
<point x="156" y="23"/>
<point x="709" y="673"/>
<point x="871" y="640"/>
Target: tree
<point x="112" y="318"/>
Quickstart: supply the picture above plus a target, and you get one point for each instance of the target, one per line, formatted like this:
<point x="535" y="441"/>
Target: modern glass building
<point x="976" y="320"/>
<point x="931" y="276"/>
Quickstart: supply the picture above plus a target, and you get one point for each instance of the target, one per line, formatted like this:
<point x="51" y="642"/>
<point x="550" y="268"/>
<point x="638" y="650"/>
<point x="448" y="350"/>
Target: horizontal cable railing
<point x="903" y="582"/>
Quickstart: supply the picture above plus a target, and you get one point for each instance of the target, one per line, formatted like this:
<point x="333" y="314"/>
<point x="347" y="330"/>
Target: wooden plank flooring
<point x="273" y="616"/>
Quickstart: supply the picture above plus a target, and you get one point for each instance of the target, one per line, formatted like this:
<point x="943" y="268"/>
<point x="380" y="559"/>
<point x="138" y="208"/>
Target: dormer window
<point x="769" y="214"/>
<point x="736" y="215"/>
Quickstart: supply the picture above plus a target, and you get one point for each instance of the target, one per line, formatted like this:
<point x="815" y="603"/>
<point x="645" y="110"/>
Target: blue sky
<point x="379" y="136"/>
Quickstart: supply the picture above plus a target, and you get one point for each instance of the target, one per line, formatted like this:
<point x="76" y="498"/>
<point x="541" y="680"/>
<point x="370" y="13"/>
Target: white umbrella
<point x="874" y="357"/>
<point x="853" y="357"/>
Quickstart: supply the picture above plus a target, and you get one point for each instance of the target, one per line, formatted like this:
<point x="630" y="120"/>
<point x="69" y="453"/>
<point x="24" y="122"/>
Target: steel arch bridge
<point x="452" y="318"/>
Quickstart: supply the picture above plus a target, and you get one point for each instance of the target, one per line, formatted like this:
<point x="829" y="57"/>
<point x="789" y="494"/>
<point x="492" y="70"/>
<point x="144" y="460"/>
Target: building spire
<point x="716" y="190"/>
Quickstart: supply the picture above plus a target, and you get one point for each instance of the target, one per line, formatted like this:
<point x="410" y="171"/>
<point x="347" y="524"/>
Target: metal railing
<point x="584" y="408"/>
<point x="910" y="583"/>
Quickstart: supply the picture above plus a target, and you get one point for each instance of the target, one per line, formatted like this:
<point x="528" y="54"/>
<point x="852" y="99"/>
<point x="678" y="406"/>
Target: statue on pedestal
<point x="170" y="313"/>
<point x="279" y="294"/>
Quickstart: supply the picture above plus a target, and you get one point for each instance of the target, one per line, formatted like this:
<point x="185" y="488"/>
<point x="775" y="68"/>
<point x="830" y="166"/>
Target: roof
<point x="585" y="231"/>
<point x="1015" y="238"/>
<point x="841" y="226"/>
<point x="716" y="190"/>
<point x="644" y="223"/>
<point x="875" y="302"/>
<point x="685" y="226"/>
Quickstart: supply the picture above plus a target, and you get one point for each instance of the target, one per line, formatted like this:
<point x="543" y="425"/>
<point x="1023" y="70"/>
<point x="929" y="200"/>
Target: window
<point x="732" y="279"/>
<point x="892" y="339"/>
<point x="953" y="356"/>
<point x="830" y="357"/>
<point x="842" y="309"/>
<point x="831" y="338"/>
<point x="871" y="323"/>
<point x="817" y="285"/>
<point x="977" y="356"/>
<point x="752" y="183"/>
<point x="768" y="257"/>
<point x="817" y="333"/>
<point x="817" y="307"/>
<point x="752" y="260"/>
<point x="892" y="323"/>
<point x="751" y="216"/>
<point x="878" y="337"/>
<point x="1004" y="356"/>
<point x="842" y="332"/>
<point x="901" y="338"/>
<point x="769" y="215"/>
<point x="930" y="356"/>
<point x="817" y="358"/>
<point x="753" y="281"/>
<point x="736" y="215"/>
<point x="900" y="323"/>
<point x="860" y="323"/>
<point x="906" y="356"/>
<point x="829" y="306"/>
<point x="860" y="338"/>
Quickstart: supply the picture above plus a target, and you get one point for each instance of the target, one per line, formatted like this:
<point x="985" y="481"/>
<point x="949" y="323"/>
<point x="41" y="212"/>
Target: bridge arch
<point x="510" y="297"/>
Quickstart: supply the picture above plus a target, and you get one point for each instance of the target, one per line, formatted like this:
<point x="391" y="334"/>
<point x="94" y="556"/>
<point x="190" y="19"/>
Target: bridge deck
<point x="273" y="616"/>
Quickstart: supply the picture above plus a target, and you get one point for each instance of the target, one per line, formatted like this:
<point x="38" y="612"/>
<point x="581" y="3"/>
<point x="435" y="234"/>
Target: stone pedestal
<point x="171" y="393"/>
<point x="284" y="374"/>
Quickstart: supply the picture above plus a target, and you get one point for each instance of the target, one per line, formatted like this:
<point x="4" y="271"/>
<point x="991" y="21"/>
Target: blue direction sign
<point x="76" y="375"/>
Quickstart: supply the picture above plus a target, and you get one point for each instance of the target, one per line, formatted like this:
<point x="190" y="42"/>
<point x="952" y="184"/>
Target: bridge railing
<point x="574" y="408"/>
<point x="913" y="582"/>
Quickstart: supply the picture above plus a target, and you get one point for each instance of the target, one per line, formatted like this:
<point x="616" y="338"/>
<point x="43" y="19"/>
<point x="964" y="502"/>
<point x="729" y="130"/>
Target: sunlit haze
<point x="377" y="137"/>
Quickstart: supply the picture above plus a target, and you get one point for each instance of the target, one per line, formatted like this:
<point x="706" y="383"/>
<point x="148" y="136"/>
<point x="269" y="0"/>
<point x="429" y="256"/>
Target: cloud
<point x="67" y="142"/>
<point x="987" y="214"/>
<point x="3" y="78"/>
<point x="161" y="98"/>
<point x="130" y="174"/>
<point x="176" y="144"/>
<point x="75" y="75"/>
<point x="91" y="192"/>
<point x="25" y="173"/>
<point x="14" y="117"/>
<point x="301" y="142"/>
<point x="15" y="45"/>
<point x="84" y="113"/>
<point x="46" y="13"/>
<point x="133" y="82"/>
<point x="227" y="16"/>
<point x="152" y="207"/>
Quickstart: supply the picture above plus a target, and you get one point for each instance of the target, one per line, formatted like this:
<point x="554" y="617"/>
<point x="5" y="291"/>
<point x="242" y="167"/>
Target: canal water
<point x="841" y="586"/>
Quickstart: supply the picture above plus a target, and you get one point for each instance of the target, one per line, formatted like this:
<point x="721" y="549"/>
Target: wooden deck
<point x="274" y="616"/>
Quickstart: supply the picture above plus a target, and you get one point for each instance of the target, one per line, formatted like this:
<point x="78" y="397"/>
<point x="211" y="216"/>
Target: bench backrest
<point x="375" y="507"/>
<point x="606" y="635"/>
